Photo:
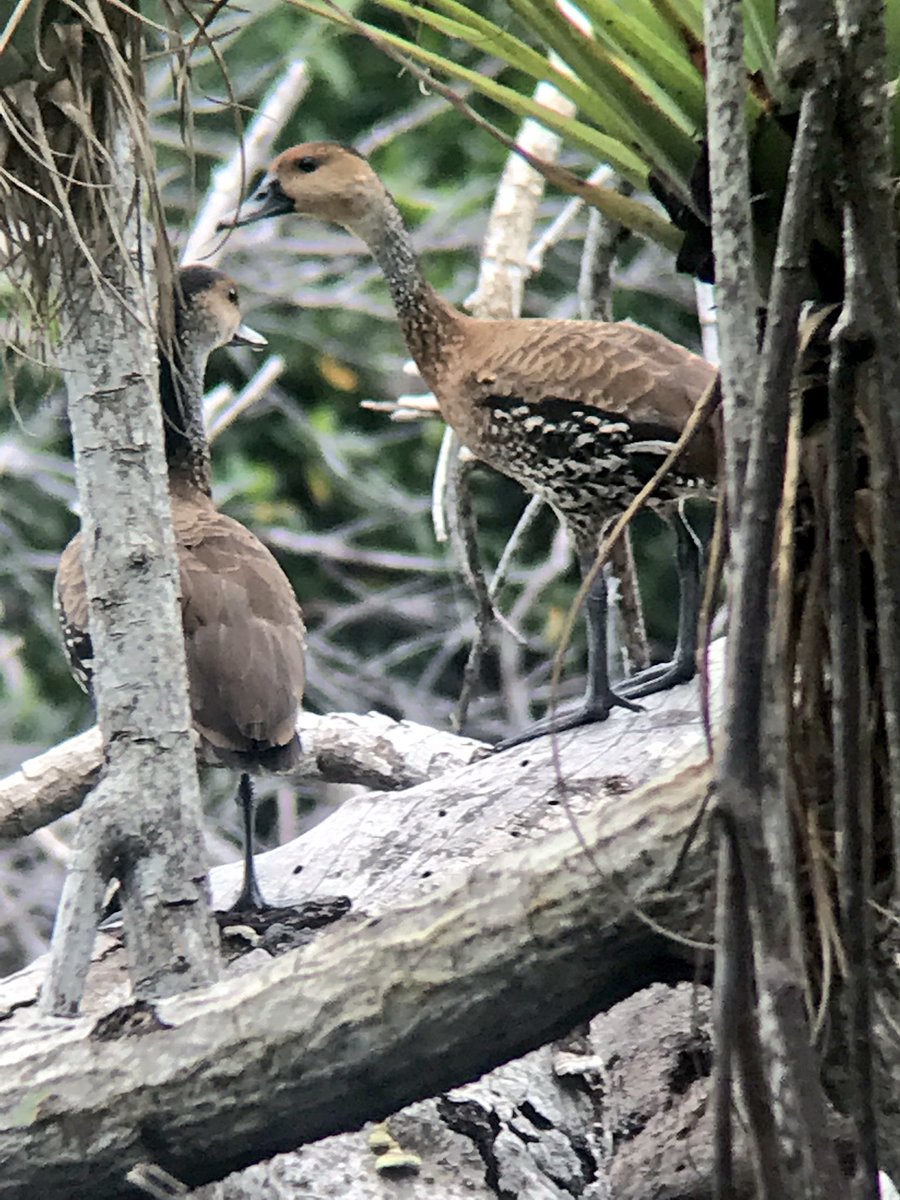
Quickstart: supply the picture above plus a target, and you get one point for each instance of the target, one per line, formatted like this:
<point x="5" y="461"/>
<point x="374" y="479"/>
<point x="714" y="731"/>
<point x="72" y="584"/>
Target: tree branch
<point x="413" y="1002"/>
<point x="371" y="750"/>
<point x="230" y="180"/>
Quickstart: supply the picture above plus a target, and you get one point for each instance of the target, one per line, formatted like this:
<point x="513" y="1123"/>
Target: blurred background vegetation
<point x="341" y="494"/>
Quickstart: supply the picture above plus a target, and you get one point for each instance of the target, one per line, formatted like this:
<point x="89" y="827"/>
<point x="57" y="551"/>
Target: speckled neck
<point x="426" y="320"/>
<point x="181" y="394"/>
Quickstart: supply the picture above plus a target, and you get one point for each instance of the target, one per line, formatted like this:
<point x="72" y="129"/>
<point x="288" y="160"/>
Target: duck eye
<point x="233" y="295"/>
<point x="307" y="164"/>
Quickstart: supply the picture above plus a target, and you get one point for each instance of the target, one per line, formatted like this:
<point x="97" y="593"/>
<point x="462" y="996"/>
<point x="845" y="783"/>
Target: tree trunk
<point x="81" y="233"/>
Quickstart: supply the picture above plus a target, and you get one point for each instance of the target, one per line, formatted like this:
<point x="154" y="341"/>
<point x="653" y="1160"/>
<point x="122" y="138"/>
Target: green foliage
<point x="340" y="493"/>
<point x="337" y="482"/>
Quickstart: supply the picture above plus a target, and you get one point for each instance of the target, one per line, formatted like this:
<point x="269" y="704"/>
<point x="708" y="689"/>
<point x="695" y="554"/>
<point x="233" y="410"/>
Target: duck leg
<point x="250" y="898"/>
<point x="683" y="664"/>
<point x="599" y="698"/>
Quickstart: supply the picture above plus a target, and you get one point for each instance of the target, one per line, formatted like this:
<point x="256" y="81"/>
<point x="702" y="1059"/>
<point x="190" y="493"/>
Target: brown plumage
<point x="581" y="413"/>
<point x="243" y="630"/>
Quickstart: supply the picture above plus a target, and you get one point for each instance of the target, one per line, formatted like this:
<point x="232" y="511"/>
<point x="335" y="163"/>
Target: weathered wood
<point x="144" y="823"/>
<point x="50" y="784"/>
<point x="618" y="1109"/>
<point x="413" y="1002"/>
<point x="371" y="750"/>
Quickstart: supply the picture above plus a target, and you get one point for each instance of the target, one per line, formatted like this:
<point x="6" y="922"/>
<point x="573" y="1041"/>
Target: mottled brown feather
<point x="244" y="639"/>
<point x="579" y="412"/>
<point x="621" y="369"/>
<point x="243" y="629"/>
<point x="243" y="634"/>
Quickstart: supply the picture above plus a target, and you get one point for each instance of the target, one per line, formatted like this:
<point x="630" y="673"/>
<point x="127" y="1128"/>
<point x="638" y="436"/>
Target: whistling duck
<point x="579" y="412"/>
<point x="243" y="630"/>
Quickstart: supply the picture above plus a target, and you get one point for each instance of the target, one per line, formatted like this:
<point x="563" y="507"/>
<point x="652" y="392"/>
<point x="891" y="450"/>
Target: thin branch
<point x="601" y="244"/>
<point x="732" y="233"/>
<point x="603" y="176"/>
<point x="530" y="514"/>
<point x="708" y="318"/>
<point x="255" y="388"/>
<point x="408" y="407"/>
<point x="230" y="181"/>
<point x="371" y="749"/>
<point x="851" y="351"/>
<point x="447" y="457"/>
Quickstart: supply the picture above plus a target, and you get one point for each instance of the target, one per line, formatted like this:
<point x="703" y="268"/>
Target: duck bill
<point x="268" y="201"/>
<point x="245" y="336"/>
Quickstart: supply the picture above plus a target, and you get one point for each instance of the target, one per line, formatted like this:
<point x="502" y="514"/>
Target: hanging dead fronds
<point x="72" y="83"/>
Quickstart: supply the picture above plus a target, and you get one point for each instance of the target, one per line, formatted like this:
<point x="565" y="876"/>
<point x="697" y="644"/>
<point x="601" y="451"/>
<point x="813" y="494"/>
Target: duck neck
<point x="426" y="319"/>
<point x="181" y="395"/>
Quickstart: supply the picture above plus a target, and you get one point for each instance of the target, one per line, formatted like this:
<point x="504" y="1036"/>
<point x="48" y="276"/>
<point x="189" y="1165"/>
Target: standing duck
<point x="243" y="629"/>
<point x="581" y="413"/>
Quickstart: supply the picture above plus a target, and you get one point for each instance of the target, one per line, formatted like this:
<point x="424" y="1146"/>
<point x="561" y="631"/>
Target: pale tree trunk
<point x="142" y="823"/>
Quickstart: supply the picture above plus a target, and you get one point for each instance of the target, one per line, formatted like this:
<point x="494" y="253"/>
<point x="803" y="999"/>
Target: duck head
<point x="208" y="313"/>
<point x="317" y="179"/>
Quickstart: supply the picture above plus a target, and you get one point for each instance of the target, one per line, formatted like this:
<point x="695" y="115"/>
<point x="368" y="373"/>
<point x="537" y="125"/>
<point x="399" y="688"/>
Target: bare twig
<point x="708" y="319"/>
<point x="253" y="390"/>
<point x="451" y="447"/>
<point x="530" y="513"/>
<point x="601" y="244"/>
<point x="556" y="230"/>
<point x="230" y="180"/>
<point x="407" y="407"/>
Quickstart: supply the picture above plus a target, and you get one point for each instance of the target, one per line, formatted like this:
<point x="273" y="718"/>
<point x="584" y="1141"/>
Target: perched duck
<point x="243" y="629"/>
<point x="579" y="412"/>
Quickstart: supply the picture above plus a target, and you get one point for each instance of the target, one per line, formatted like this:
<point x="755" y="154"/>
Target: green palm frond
<point x="636" y="76"/>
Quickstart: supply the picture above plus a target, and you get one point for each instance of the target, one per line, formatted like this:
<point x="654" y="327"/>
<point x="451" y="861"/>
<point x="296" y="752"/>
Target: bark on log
<point x="371" y="750"/>
<point x="617" y="1110"/>
<point x="413" y="1002"/>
